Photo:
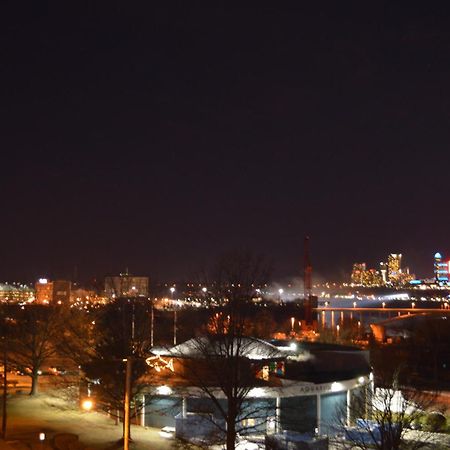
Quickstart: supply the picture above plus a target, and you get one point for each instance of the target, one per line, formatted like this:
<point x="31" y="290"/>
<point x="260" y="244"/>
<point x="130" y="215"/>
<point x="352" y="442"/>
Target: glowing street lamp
<point x="384" y="304"/>
<point x="413" y="305"/>
<point x="292" y="323"/>
<point x="87" y="404"/>
<point x="354" y="304"/>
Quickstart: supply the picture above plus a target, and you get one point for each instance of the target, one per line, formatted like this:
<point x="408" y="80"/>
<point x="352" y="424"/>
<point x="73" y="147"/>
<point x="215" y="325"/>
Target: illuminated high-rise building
<point x="358" y="273"/>
<point x="383" y="272"/>
<point x="394" y="266"/>
<point x="371" y="278"/>
<point x="126" y="285"/>
<point x="441" y="269"/>
<point x="57" y="291"/>
<point x="44" y="291"/>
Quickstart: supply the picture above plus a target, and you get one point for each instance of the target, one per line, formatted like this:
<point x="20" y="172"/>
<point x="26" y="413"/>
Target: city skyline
<point x="157" y="138"/>
<point x="382" y="273"/>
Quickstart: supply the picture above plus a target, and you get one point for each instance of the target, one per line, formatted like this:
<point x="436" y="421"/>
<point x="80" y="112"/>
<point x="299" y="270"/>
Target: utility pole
<point x="126" y="413"/>
<point x="307" y="283"/>
<point x="175" y="326"/>
<point x="152" y="324"/>
<point x="5" y="388"/>
<point x="307" y="267"/>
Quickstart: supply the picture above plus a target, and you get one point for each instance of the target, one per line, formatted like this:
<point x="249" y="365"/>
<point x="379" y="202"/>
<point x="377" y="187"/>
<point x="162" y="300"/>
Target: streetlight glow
<point x="87" y="404"/>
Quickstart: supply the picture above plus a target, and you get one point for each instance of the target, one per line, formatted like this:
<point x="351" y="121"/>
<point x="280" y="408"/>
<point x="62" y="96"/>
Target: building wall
<point x="61" y="292"/>
<point x="126" y="286"/>
<point x="44" y="292"/>
<point x="15" y="293"/>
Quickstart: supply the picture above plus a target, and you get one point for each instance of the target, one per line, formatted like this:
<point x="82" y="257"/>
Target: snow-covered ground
<point x="48" y="413"/>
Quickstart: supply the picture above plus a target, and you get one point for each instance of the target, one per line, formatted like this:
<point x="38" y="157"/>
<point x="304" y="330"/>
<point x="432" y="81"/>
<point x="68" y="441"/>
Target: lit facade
<point x="358" y="273"/>
<point x="57" y="291"/>
<point x="441" y="269"/>
<point x="126" y="285"/>
<point x="297" y="387"/>
<point x="44" y="291"/>
<point x="394" y="266"/>
<point x="16" y="293"/>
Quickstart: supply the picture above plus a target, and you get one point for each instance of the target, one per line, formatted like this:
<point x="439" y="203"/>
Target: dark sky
<point x="156" y="138"/>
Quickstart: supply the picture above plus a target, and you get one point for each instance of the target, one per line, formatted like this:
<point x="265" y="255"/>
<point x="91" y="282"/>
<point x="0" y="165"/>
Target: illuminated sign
<point x="160" y="364"/>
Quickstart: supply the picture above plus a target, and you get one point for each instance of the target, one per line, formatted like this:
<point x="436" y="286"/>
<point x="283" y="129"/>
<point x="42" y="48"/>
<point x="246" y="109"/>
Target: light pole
<point x="5" y="387"/>
<point x="280" y="293"/>
<point x="172" y="290"/>
<point x="126" y="415"/>
<point x="152" y="325"/>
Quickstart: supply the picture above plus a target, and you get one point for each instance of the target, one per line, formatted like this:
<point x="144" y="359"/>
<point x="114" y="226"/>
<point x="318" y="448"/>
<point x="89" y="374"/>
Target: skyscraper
<point x="394" y="267"/>
<point x="358" y="273"/>
<point x="441" y="269"/>
<point x="383" y="272"/>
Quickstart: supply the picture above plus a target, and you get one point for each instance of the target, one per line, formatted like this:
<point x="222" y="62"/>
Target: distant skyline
<point x="156" y="137"/>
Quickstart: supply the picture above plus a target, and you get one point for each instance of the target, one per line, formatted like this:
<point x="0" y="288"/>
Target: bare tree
<point x="384" y="419"/>
<point x="121" y="332"/>
<point x="33" y="332"/>
<point x="219" y="361"/>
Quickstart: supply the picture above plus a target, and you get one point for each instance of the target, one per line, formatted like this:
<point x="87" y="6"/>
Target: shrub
<point x="435" y="421"/>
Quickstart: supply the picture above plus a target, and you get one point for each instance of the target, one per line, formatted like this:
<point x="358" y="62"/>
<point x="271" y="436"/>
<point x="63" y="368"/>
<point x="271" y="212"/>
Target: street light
<point x="172" y="290"/>
<point x="87" y="404"/>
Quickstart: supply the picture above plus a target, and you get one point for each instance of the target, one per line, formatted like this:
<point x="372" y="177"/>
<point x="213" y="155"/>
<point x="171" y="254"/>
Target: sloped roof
<point x="217" y="346"/>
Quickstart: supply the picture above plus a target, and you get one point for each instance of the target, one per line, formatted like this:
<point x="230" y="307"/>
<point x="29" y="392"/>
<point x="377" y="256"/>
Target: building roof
<point x="215" y="346"/>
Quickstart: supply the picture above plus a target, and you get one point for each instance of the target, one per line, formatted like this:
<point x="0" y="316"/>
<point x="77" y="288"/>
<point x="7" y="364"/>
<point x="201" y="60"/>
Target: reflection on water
<point x="362" y="318"/>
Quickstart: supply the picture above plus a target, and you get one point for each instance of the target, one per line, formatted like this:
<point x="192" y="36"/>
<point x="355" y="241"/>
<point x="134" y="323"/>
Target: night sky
<point x="156" y="138"/>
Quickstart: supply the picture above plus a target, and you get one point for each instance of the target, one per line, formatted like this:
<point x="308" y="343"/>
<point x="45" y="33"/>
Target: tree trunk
<point x="34" y="384"/>
<point x="231" y="426"/>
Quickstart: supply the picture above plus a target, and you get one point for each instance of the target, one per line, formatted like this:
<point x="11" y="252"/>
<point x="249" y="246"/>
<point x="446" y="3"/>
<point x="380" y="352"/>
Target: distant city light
<point x="43" y="280"/>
